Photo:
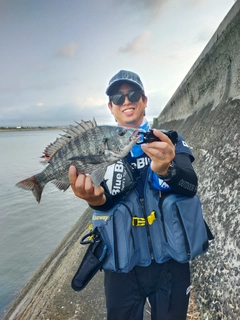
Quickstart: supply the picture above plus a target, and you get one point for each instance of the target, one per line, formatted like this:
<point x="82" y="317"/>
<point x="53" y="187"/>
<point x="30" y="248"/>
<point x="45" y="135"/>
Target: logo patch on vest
<point x="119" y="178"/>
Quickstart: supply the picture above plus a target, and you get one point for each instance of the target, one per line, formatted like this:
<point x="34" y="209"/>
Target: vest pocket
<point x="176" y="244"/>
<point x="185" y="234"/>
<point x="116" y="229"/>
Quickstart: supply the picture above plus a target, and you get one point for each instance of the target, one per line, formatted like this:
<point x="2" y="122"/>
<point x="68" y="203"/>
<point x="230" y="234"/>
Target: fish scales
<point x="89" y="147"/>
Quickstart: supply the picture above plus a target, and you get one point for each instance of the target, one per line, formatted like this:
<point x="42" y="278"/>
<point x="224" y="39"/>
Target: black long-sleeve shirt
<point x="184" y="182"/>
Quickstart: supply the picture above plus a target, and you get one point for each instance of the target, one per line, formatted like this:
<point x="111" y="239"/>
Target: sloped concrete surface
<point x="206" y="111"/>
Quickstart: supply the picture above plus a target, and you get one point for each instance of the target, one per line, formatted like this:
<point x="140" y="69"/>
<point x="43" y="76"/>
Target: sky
<point x="57" y="56"/>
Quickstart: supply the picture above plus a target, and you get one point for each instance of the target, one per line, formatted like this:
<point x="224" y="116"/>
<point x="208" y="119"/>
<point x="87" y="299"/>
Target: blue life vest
<point x="138" y="230"/>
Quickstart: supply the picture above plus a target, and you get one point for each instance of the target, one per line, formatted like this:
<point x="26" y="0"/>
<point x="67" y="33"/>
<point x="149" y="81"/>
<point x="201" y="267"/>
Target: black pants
<point x="166" y="286"/>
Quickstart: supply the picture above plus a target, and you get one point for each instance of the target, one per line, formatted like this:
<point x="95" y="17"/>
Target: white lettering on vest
<point x="185" y="144"/>
<point x="142" y="162"/>
<point x="118" y="178"/>
<point x="118" y="167"/>
<point x="100" y="218"/>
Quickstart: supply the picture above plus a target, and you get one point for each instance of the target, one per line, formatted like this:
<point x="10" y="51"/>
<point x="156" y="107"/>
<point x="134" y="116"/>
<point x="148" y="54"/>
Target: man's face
<point x="129" y="114"/>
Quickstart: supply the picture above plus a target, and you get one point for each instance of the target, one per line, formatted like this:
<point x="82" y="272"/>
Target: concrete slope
<point x="205" y="109"/>
<point x="49" y="295"/>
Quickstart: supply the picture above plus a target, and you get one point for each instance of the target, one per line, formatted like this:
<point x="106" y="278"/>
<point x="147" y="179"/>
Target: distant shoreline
<point x="31" y="129"/>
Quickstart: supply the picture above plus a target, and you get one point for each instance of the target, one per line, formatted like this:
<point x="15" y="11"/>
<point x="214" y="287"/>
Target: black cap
<point x="124" y="76"/>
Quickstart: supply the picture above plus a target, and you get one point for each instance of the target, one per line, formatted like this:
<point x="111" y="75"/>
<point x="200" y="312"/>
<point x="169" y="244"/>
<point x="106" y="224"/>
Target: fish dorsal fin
<point x="70" y="134"/>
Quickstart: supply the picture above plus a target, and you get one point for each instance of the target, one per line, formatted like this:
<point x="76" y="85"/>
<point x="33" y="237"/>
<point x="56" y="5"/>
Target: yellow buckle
<point x="141" y="222"/>
<point x="90" y="227"/>
<point x="151" y="217"/>
<point x="138" y="222"/>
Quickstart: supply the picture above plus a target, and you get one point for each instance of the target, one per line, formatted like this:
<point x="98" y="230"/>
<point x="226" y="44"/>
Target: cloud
<point x="150" y="4"/>
<point x="40" y="113"/>
<point x="197" y="2"/>
<point x="138" y="44"/>
<point x="89" y="102"/>
<point x="41" y="85"/>
<point x="39" y="66"/>
<point x="13" y="87"/>
<point x="68" y="51"/>
<point x="203" y="36"/>
<point x="147" y="10"/>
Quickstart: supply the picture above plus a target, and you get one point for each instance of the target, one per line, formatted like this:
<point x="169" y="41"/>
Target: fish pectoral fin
<point x="90" y="159"/>
<point x="97" y="176"/>
<point x="61" y="185"/>
<point x="109" y="153"/>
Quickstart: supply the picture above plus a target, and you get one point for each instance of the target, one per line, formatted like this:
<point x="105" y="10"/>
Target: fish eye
<point x="122" y="132"/>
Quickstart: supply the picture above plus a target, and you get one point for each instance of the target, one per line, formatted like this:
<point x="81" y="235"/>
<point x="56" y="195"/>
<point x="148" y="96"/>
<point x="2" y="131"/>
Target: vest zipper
<point x="115" y="245"/>
<point x="147" y="228"/>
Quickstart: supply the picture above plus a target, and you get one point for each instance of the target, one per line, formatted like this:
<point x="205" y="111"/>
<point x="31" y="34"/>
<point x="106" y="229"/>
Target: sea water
<point x="29" y="232"/>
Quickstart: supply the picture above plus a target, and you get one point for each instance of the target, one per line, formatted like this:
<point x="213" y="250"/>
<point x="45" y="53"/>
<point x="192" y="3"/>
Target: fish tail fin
<point x="32" y="184"/>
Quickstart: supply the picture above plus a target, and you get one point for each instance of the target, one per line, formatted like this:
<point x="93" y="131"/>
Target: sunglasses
<point x="133" y="96"/>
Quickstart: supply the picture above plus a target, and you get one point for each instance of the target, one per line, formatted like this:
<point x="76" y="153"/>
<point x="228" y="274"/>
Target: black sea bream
<point x="89" y="147"/>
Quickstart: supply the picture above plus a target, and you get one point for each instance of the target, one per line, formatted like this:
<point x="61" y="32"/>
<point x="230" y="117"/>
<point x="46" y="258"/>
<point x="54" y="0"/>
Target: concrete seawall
<point x="205" y="109"/>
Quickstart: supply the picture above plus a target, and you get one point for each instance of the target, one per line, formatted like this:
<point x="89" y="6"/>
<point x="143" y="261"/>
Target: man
<point x="136" y="267"/>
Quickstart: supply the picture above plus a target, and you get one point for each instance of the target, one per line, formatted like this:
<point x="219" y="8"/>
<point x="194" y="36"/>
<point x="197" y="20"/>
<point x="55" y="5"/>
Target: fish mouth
<point x="135" y="136"/>
<point x="124" y="149"/>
